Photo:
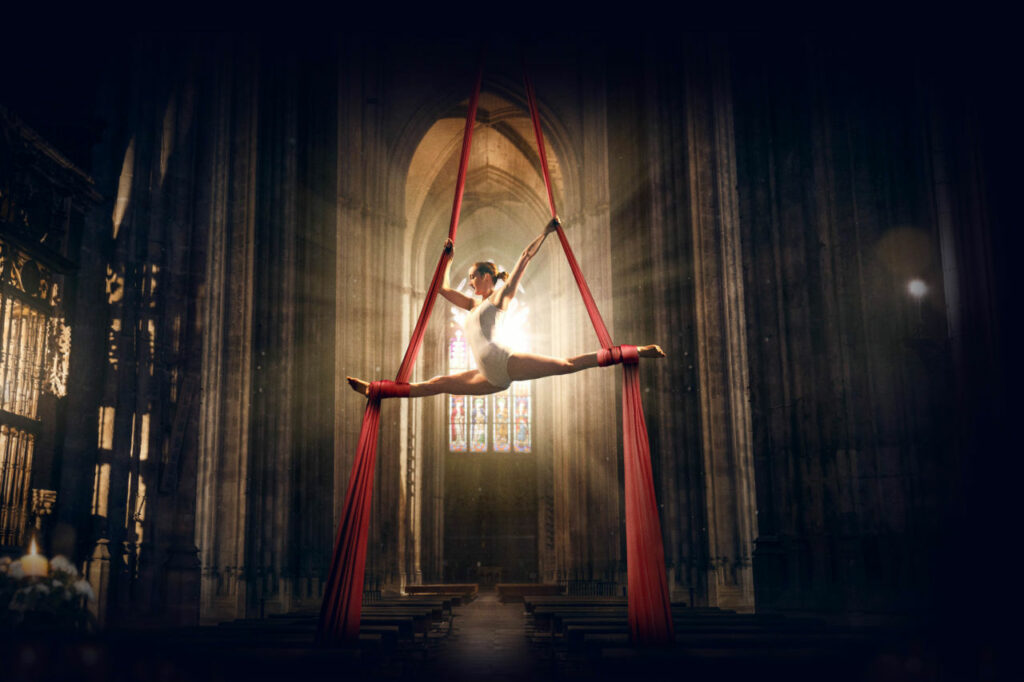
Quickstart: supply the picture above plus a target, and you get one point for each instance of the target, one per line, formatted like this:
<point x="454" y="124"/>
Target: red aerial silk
<point x="343" y="593"/>
<point x="650" y="618"/>
<point x="650" y="614"/>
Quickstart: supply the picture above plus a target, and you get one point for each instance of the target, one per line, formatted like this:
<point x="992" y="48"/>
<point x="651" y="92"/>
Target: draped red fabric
<point x="342" y="606"/>
<point x="650" y="614"/>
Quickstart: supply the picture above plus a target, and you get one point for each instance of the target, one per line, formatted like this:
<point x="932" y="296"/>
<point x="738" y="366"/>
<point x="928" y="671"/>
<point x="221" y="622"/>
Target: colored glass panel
<point x="478" y="424"/>
<point x="457" y="423"/>
<point x="502" y="421"/>
<point x="522" y="423"/>
<point x="457" y="352"/>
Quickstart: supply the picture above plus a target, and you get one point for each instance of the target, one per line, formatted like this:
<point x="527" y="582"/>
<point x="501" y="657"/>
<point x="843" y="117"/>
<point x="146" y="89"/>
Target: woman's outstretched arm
<point x="509" y="290"/>
<point x="456" y="297"/>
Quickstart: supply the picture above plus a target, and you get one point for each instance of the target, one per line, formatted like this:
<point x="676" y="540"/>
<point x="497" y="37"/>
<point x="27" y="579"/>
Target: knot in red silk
<point x="387" y="389"/>
<point x="627" y="355"/>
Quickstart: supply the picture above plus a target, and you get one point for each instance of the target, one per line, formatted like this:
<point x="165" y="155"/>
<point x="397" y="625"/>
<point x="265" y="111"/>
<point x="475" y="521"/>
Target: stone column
<point x="720" y="357"/>
<point x="369" y="307"/>
<point x="586" y="439"/>
<point x="226" y="209"/>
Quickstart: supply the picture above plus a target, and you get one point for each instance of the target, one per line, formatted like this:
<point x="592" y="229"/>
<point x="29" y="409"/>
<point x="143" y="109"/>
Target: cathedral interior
<point x="202" y="234"/>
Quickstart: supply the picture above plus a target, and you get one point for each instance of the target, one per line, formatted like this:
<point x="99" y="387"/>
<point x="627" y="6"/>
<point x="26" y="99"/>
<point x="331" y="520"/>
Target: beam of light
<point x="512" y="328"/>
<point x="100" y="490"/>
<point x="106" y="428"/>
<point x="124" y="187"/>
<point x="167" y="138"/>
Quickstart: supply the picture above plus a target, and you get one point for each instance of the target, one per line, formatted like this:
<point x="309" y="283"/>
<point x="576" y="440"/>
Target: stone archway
<point x="492" y="498"/>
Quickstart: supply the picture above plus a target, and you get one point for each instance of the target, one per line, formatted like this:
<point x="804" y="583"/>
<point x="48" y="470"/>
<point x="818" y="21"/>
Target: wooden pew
<point x="516" y="592"/>
<point x="531" y="601"/>
<point x="461" y="593"/>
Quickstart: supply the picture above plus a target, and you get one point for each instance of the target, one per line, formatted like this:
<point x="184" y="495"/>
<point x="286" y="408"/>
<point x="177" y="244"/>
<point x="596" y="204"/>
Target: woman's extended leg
<point x="470" y="382"/>
<point x="525" y="366"/>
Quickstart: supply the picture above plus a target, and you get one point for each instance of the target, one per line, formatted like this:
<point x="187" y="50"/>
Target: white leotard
<point x="491" y="358"/>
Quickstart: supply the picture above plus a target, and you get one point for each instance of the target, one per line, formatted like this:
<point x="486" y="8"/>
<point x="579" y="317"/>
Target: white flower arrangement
<point x="60" y="564"/>
<point x="58" y="601"/>
<point x="16" y="571"/>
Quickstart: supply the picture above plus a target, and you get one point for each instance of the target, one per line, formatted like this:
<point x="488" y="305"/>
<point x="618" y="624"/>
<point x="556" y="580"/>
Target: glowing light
<point x="506" y="415"/>
<point x="167" y="139"/>
<point x="33" y="564"/>
<point x="101" y="490"/>
<point x="106" y="428"/>
<point x="511" y="329"/>
<point x="917" y="288"/>
<point x="124" y="187"/>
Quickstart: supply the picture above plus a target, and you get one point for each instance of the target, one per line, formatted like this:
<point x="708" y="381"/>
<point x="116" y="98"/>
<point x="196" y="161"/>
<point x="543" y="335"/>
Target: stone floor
<point x="487" y="641"/>
<point x="484" y="640"/>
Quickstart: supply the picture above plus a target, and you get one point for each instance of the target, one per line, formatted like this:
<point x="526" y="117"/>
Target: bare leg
<point x="525" y="366"/>
<point x="470" y="382"/>
<point x="521" y="367"/>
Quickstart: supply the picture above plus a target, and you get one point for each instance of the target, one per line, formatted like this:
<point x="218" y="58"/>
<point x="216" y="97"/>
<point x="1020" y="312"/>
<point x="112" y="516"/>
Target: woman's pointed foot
<point x="358" y="385"/>
<point x="651" y="351"/>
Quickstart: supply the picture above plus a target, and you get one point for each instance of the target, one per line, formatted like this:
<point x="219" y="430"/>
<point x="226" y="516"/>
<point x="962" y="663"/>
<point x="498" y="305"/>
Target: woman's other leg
<point x="470" y="382"/>
<point x="526" y="366"/>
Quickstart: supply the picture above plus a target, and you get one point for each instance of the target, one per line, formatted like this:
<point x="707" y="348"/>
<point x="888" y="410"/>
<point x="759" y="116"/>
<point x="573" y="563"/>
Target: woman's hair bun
<point x="488" y="267"/>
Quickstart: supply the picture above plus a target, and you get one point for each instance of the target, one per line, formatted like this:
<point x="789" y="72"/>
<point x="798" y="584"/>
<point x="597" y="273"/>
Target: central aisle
<point x="488" y="642"/>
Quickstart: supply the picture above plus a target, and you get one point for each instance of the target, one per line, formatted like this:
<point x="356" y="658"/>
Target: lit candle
<point x="33" y="563"/>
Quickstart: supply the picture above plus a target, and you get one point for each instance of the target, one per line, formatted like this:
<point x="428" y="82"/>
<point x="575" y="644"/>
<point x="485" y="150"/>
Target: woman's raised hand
<point x="552" y="226"/>
<point x="449" y="246"/>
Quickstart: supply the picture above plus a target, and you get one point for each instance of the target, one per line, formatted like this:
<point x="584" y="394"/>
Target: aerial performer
<point x="497" y="366"/>
<point x="649" y="607"/>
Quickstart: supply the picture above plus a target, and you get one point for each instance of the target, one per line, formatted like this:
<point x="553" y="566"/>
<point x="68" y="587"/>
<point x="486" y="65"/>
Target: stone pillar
<point x="97" y="572"/>
<point x="586" y="438"/>
<point x="226" y="212"/>
<point x="720" y="358"/>
<point x="368" y="298"/>
<point x="270" y="504"/>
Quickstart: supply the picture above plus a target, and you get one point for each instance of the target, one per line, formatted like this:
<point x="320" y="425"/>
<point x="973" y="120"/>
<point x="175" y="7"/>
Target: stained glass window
<point x="459" y="360"/>
<point x="457" y="421"/>
<point x="523" y="416"/>
<point x="478" y="423"/>
<point x="500" y="422"/>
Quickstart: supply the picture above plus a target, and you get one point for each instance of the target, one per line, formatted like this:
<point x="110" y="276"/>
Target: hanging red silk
<point x="649" y="606"/>
<point x="650" y="614"/>
<point x="343" y="593"/>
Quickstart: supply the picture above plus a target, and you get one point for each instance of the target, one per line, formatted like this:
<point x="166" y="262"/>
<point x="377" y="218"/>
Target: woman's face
<point x="482" y="282"/>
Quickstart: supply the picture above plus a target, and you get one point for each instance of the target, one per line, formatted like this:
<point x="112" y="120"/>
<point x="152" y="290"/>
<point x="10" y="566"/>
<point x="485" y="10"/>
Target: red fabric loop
<point x="387" y="389"/>
<point x="630" y="355"/>
<point x="627" y="355"/>
<point x="650" y="615"/>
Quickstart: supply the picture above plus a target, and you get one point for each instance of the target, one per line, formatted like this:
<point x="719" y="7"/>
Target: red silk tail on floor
<point x="342" y="606"/>
<point x="650" y="615"/>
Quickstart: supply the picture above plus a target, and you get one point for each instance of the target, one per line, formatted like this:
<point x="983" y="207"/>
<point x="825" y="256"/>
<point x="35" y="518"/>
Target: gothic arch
<point x="504" y="205"/>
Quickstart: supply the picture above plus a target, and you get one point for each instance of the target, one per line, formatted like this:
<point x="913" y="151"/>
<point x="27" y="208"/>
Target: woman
<point x="497" y="366"/>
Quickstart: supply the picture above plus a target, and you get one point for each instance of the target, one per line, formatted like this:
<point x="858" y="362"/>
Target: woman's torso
<point x="480" y="326"/>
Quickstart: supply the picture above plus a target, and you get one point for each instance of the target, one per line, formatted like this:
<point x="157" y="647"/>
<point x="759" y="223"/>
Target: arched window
<point x="500" y="422"/>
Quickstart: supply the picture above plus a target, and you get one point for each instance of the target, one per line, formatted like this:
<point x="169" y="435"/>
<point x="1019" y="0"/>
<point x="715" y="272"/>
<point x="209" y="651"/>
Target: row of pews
<point x="396" y="633"/>
<point x="592" y="634"/>
<point x="385" y="623"/>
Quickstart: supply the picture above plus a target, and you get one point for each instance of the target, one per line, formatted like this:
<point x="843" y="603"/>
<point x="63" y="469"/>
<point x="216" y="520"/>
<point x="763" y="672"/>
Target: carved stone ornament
<point x="58" y="353"/>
